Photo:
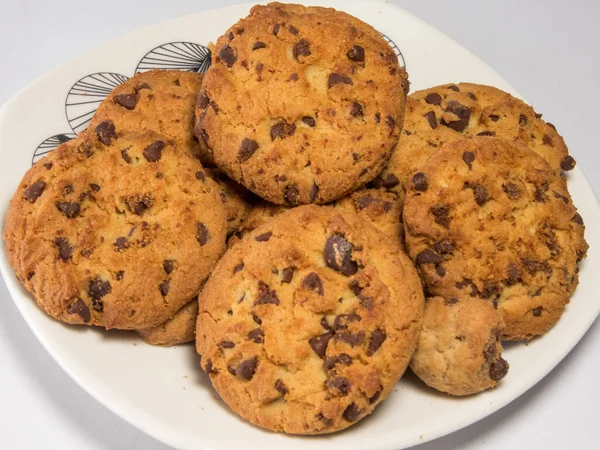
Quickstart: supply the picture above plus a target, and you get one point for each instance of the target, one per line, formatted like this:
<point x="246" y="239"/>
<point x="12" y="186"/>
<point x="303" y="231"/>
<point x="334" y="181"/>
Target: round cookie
<point x="179" y="329"/>
<point x="378" y="206"/>
<point x="114" y="231"/>
<point x="445" y="113"/>
<point x="164" y="101"/>
<point x="301" y="104"/>
<point x="459" y="351"/>
<point x="490" y="218"/>
<point x="306" y="325"/>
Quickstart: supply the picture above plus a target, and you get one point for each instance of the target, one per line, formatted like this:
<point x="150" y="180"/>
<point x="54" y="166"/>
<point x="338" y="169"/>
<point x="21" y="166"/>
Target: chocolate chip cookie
<point x="301" y="104"/>
<point x="179" y="329"/>
<point x="489" y="218"/>
<point x="115" y="231"/>
<point x="445" y="113"/>
<point x="459" y="351"/>
<point x="164" y="101"/>
<point x="306" y="324"/>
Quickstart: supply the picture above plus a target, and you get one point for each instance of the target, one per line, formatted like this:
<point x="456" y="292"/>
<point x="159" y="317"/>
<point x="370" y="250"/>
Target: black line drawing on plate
<point x="396" y="49"/>
<point x="187" y="56"/>
<point x="50" y="144"/>
<point x="85" y="96"/>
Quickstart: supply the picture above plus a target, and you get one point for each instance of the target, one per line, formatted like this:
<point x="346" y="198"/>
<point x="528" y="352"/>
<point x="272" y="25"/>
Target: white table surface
<point x="547" y="49"/>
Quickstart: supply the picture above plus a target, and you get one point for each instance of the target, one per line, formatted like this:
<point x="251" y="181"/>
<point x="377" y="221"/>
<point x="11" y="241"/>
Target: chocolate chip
<point x="293" y="30"/>
<point x="154" y="151"/>
<point x="498" y="369"/>
<point x="343" y="320"/>
<point x="577" y="219"/>
<point x="494" y="117"/>
<point x="428" y="256"/>
<point x="514" y="275"/>
<point x="377" y="117"/>
<point x="226" y="344"/>
<point x="227" y="55"/>
<point x="540" y="195"/>
<point x="547" y="140"/>
<point x="94" y="187"/>
<point x="202" y="233"/>
<point x="355" y="287"/>
<point x="121" y="244"/>
<point x="69" y="209"/>
<point x="462" y="112"/>
<point x="356" y="54"/>
<point x="444" y="247"/>
<point x="309" y="121"/>
<point x="257" y="336"/>
<point x="433" y="98"/>
<point x="441" y="215"/>
<point x="291" y="194"/>
<point x="301" y="48"/>
<point x="168" y="266"/>
<point x="281" y="387"/>
<point x="389" y="120"/>
<point x="375" y="397"/>
<point x="420" y="182"/>
<point x="79" y="307"/>
<point x="356" y="110"/>
<point x="97" y="288"/>
<point x="537" y="312"/>
<point x="106" y="132"/>
<point x="430" y="116"/>
<point x="377" y="338"/>
<point x="439" y="269"/>
<point x="336" y="78"/>
<point x="203" y="100"/>
<point x="350" y="338"/>
<point x="312" y="282"/>
<point x="468" y="158"/>
<point x="239" y="267"/>
<point x="564" y="198"/>
<point x="533" y="266"/>
<point x="338" y="255"/>
<point x="319" y="343"/>
<point x="511" y="190"/>
<point x="126" y="156"/>
<point x="365" y="200"/>
<point x="282" y="130"/>
<point x="325" y="324"/>
<point x="389" y="181"/>
<point x="127" y="101"/>
<point x="314" y="192"/>
<point x="258" y="45"/>
<point x="265" y="295"/>
<point x="247" y="149"/>
<point x="567" y="163"/>
<point x="480" y="192"/>
<point x="65" y="250"/>
<point x="247" y="368"/>
<point x="263" y="237"/>
<point x="487" y="133"/>
<point x="164" y="287"/>
<point x="331" y="361"/>
<point x="453" y="88"/>
<point x="490" y="289"/>
<point x="351" y="413"/>
<point x="340" y="384"/>
<point x="287" y="274"/>
<point x="276" y="29"/>
<point x="522" y="120"/>
<point x="208" y="367"/>
<point x="33" y="192"/>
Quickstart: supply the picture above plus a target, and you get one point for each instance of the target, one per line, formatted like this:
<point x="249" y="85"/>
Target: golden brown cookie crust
<point x="179" y="329"/>
<point x="308" y="322"/>
<point x="459" y="351"/>
<point x="301" y="104"/>
<point x="490" y="218"/>
<point x="441" y="114"/>
<point x="114" y="231"/>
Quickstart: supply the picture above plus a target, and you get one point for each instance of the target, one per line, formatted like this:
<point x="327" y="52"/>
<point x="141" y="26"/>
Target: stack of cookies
<point x="311" y="227"/>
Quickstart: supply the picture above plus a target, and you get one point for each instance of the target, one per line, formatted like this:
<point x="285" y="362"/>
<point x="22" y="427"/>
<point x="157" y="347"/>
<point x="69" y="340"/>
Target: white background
<point x="547" y="49"/>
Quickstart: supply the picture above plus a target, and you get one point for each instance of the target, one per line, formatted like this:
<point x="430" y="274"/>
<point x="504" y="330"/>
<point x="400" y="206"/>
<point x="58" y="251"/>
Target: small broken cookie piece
<point x="459" y="351"/>
<point x="179" y="329"/>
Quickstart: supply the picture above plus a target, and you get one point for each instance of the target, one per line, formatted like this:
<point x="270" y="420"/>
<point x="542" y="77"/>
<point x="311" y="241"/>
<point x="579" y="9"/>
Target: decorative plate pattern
<point x="85" y="96"/>
<point x="186" y="56"/>
<point x="396" y="49"/>
<point x="50" y="144"/>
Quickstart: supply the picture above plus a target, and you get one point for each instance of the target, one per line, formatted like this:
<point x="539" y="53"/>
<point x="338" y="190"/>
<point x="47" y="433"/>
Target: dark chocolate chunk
<point x="33" y="192"/>
<point x="263" y="237"/>
<point x="168" y="266"/>
<point x="375" y="397"/>
<point x="487" y="133"/>
<point x="309" y="121"/>
<point x="200" y="175"/>
<point x="69" y="209"/>
<point x="468" y="158"/>
<point x="498" y="369"/>
<point x="319" y="343"/>
<point x="514" y="275"/>
<point x="537" y="312"/>
<point x="154" y="151"/>
<point x="577" y="219"/>
<point x="433" y="98"/>
<point x="453" y="88"/>
<point x="511" y="190"/>
<point x="164" y="287"/>
<point x="377" y="338"/>
<point x="314" y="192"/>
<point x="462" y="112"/>
<point x="428" y="256"/>
<point x="291" y="194"/>
<point x="94" y="187"/>
<point x="567" y="163"/>
<point x="441" y="214"/>
<point x="420" y="182"/>
<point x="121" y="243"/>
<point x="356" y="110"/>
<point x="258" y="45"/>
<point x="338" y="255"/>
<point x="79" y="307"/>
<point x="265" y="295"/>
<point x="98" y="288"/>
<point x="247" y="148"/>
<point x="282" y="129"/>
<point x="350" y="338"/>
<point x="65" y="249"/>
<point x="313" y="282"/>
<point x="336" y="78"/>
<point x="239" y="267"/>
<point x="106" y="132"/>
<point x="430" y="116"/>
<point x="287" y="274"/>
<point x="351" y="413"/>
<point x="227" y="55"/>
<point x="522" y="120"/>
<point x="257" y="336"/>
<point x="127" y="101"/>
<point x="226" y="344"/>
<point x="247" y="368"/>
<point x="340" y="385"/>
<point x="281" y="387"/>
<point x="356" y="54"/>
<point x="444" y="247"/>
<point x="342" y="321"/>
<point x="202" y="233"/>
<point x="203" y="100"/>
<point x="301" y="48"/>
<point x="125" y="156"/>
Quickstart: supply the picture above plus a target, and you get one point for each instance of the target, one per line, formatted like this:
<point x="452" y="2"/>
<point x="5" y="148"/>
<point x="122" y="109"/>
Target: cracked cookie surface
<point x="459" y="351"/>
<point x="301" y="104"/>
<point x="308" y="322"/>
<point x="490" y="218"/>
<point x="115" y="231"/>
<point x="164" y="101"/>
<point x="441" y="114"/>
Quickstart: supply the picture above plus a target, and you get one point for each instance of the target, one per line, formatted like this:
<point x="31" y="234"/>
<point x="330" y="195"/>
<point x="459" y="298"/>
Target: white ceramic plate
<point x="161" y="390"/>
